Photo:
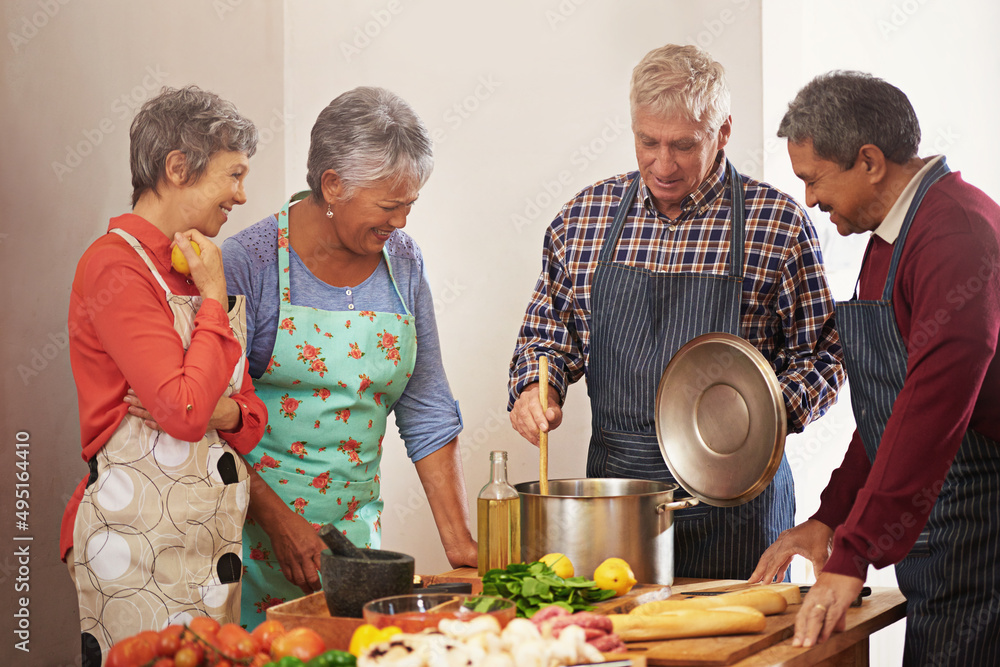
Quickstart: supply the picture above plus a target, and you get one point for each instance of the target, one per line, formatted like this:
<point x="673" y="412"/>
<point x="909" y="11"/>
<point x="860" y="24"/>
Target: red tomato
<point x="266" y="632"/>
<point x="188" y="656"/>
<point x="301" y="643"/>
<point x="260" y="660"/>
<point x="235" y="642"/>
<point x="133" y="651"/>
<point x="164" y="662"/>
<point x="204" y="626"/>
<point x="170" y="640"/>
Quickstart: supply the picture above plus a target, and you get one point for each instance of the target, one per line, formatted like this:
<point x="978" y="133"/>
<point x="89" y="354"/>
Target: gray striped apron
<point x="640" y="318"/>
<point x="951" y="576"/>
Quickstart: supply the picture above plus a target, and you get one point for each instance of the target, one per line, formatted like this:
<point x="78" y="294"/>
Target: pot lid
<point x="720" y="419"/>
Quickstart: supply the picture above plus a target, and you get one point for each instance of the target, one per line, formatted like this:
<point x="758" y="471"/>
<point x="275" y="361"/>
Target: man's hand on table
<point x="810" y="539"/>
<point x="824" y="608"/>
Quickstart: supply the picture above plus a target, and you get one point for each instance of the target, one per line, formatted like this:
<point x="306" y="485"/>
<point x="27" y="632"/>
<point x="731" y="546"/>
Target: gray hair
<point x="368" y="135"/>
<point x="681" y="81"/>
<point x="842" y="111"/>
<point x="190" y="120"/>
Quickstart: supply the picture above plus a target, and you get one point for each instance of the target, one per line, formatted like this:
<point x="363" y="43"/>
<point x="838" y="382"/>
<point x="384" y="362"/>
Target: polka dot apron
<point x="157" y="534"/>
<point x="329" y="386"/>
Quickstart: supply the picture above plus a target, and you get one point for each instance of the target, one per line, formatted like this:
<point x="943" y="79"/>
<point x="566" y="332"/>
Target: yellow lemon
<point x="560" y="564"/>
<point x="616" y="575"/>
<point x="179" y="261"/>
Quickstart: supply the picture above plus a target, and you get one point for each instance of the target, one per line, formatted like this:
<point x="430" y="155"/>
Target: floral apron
<point x="157" y="533"/>
<point x="331" y="381"/>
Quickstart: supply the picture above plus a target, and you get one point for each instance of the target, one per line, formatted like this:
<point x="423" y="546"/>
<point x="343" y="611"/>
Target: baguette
<point x="732" y="620"/>
<point x="791" y="592"/>
<point x="763" y="600"/>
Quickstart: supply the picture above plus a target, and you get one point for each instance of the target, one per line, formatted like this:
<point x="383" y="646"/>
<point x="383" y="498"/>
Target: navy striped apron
<point x="640" y="318"/>
<point x="951" y="576"/>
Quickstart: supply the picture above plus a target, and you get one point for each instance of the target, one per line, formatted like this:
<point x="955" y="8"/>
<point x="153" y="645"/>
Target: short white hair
<point x="683" y="81"/>
<point x="369" y="135"/>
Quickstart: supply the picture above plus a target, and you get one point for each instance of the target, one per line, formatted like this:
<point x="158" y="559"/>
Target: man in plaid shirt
<point x="637" y="265"/>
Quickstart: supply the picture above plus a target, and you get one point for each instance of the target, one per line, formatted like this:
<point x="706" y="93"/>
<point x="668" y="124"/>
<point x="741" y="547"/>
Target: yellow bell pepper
<point x="367" y="635"/>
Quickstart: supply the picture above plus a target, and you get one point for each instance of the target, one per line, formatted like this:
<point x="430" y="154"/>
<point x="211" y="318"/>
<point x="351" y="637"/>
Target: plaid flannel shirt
<point x="787" y="309"/>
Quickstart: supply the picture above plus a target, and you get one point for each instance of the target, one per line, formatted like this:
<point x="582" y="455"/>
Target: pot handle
<point x="681" y="504"/>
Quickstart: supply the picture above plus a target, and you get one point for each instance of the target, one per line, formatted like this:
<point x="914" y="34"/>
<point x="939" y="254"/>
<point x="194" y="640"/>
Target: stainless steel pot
<point x="590" y="520"/>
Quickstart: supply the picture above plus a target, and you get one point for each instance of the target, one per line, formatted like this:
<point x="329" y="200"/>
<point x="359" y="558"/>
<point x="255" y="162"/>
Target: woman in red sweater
<point x="152" y="534"/>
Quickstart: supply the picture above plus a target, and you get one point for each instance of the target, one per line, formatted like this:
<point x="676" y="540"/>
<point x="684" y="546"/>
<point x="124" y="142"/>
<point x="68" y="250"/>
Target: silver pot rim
<point x="531" y="488"/>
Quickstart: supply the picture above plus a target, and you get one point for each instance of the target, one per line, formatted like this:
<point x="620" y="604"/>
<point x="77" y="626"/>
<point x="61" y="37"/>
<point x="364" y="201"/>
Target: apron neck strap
<point x="132" y="241"/>
<point x="737" y="215"/>
<point x="621" y="214"/>
<point x="284" y="244"/>
<point x="938" y="171"/>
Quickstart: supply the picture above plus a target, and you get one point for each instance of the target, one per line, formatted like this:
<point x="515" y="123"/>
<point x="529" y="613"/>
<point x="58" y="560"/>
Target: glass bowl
<point x="418" y="611"/>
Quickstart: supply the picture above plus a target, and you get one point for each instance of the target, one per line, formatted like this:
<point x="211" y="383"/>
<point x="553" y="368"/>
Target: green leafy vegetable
<point x="535" y="585"/>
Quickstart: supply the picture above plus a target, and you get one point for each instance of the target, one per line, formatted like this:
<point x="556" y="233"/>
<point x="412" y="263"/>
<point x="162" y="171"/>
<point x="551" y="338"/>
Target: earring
<point x="329" y="211"/>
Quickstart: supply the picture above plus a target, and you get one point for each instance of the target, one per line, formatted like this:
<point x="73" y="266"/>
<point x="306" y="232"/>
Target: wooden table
<point x="882" y="608"/>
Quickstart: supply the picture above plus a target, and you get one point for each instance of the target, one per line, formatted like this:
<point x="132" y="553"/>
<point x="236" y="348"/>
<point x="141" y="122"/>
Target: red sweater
<point x="122" y="335"/>
<point x="947" y="306"/>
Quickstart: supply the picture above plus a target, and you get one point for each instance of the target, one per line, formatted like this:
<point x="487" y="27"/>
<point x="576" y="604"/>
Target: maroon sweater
<point x="947" y="306"/>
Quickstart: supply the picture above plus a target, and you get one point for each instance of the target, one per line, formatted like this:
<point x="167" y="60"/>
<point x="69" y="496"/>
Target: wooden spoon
<point x="543" y="437"/>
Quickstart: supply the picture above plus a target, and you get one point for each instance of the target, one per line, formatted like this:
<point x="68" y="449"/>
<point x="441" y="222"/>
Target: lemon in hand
<point x="616" y="575"/>
<point x="179" y="261"/>
<point x="560" y="564"/>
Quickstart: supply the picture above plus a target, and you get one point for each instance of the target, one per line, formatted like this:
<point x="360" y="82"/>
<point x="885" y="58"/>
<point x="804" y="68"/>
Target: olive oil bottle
<point x="499" y="518"/>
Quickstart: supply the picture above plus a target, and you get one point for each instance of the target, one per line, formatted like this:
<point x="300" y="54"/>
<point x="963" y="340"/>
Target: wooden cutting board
<point x="703" y="650"/>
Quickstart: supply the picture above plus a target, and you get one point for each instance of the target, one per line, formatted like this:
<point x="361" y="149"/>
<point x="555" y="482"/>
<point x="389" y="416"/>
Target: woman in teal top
<point x="337" y="303"/>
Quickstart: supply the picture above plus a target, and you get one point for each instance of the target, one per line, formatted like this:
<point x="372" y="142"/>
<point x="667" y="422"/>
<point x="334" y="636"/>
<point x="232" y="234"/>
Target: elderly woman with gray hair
<point x="341" y="332"/>
<point x="152" y="534"/>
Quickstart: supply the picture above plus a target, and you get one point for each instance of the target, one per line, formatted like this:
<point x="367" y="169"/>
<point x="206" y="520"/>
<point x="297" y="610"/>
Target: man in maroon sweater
<point x="920" y="484"/>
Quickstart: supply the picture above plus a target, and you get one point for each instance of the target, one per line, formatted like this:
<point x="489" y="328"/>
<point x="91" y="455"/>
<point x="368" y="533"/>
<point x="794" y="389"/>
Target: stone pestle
<point x="339" y="544"/>
<point x="352" y="577"/>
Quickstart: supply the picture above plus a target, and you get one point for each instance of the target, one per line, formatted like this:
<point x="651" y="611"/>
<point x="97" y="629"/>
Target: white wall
<point x="529" y="101"/>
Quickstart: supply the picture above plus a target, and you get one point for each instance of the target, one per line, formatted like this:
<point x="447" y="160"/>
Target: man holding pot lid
<point x="920" y="484"/>
<point x="638" y="264"/>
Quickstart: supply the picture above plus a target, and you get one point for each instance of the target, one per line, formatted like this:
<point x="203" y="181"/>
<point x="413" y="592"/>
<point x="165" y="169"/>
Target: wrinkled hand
<point x="810" y="539"/>
<point x="297" y="547"/>
<point x="226" y="416"/>
<point x="824" y="608"/>
<point x="527" y="416"/>
<point x="206" y="268"/>
<point x="463" y="555"/>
